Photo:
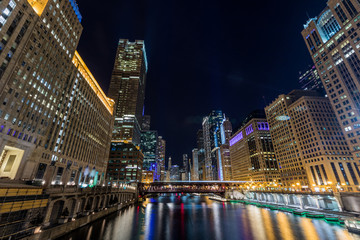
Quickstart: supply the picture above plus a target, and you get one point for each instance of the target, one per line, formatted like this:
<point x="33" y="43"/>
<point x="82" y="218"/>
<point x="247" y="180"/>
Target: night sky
<point x="203" y="55"/>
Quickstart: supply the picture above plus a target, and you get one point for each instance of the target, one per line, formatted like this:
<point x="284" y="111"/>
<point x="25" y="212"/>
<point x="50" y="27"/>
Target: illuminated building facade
<point x="147" y="176"/>
<point x="127" y="88"/>
<point x="252" y="154"/>
<point x="168" y="172"/>
<point x="195" y="166"/>
<point x="160" y="159"/>
<point x="185" y="168"/>
<point x="200" y="153"/>
<point x="125" y="163"/>
<point x="55" y="121"/>
<point x="310" y="80"/>
<point x="175" y="173"/>
<point x="149" y="147"/>
<point x="50" y="102"/>
<point x="310" y="147"/>
<point x="210" y="124"/>
<point x="333" y="43"/>
<point x="223" y="132"/>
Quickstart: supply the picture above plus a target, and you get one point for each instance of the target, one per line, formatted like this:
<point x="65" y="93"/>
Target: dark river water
<point x="194" y="217"/>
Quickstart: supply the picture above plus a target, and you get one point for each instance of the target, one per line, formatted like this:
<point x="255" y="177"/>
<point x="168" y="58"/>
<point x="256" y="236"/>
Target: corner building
<point x="311" y="150"/>
<point x="333" y="41"/>
<point x="252" y="154"/>
<point x="48" y="96"/>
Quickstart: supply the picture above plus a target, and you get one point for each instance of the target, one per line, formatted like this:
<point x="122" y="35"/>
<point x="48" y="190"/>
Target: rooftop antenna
<point x="307" y="14"/>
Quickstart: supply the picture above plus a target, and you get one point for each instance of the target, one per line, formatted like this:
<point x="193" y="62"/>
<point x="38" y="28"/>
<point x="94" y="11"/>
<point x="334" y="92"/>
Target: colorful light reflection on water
<point x="194" y="217"/>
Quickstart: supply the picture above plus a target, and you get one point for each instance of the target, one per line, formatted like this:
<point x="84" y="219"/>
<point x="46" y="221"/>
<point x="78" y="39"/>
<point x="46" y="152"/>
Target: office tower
<point x="168" y="172"/>
<point x="310" y="80"/>
<point x="195" y="166"/>
<point x="127" y="88"/>
<point x="251" y="151"/>
<point x="49" y="104"/>
<point x="186" y="167"/>
<point x="222" y="150"/>
<point x="161" y="150"/>
<point x="49" y="101"/>
<point x="146" y="120"/>
<point x="201" y="154"/>
<point x="175" y="173"/>
<point x="210" y="124"/>
<point x="125" y="163"/>
<point x="149" y="145"/>
<point x="333" y="44"/>
<point x="310" y="147"/>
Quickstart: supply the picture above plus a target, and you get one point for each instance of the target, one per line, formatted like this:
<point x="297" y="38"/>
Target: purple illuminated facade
<point x="249" y="129"/>
<point x="252" y="155"/>
<point x="263" y="126"/>
<point x="237" y="138"/>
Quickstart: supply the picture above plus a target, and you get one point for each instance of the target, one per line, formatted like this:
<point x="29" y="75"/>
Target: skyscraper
<point x="224" y="132"/>
<point x="200" y="154"/>
<point x="50" y="100"/>
<point x="161" y="150"/>
<point x="149" y="147"/>
<point x="56" y="121"/>
<point x="310" y="147"/>
<point x="168" y="172"/>
<point x="195" y="166"/>
<point x="186" y="167"/>
<point x="310" y="80"/>
<point x="175" y="173"/>
<point x="210" y="124"/>
<point x="333" y="44"/>
<point x="127" y="88"/>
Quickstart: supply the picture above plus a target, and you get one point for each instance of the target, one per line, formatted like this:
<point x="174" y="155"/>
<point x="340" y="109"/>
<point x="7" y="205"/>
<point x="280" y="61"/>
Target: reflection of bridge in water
<point x="215" y="187"/>
<point x="305" y="199"/>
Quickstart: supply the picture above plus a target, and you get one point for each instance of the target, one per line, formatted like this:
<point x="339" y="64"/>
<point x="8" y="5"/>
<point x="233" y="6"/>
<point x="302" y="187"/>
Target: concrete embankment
<point x="60" y="230"/>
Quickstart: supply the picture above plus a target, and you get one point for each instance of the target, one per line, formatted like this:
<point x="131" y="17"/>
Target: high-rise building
<point x="168" y="172"/>
<point x="222" y="150"/>
<point x="125" y="163"/>
<point x="333" y="44"/>
<point x="175" y="173"/>
<point x="149" y="147"/>
<point x="127" y="88"/>
<point x="161" y="150"/>
<point x="146" y="122"/>
<point x="201" y="154"/>
<point x="310" y="80"/>
<point x="49" y="101"/>
<point x="186" y="167"/>
<point x="251" y="152"/>
<point x="210" y="124"/>
<point x="310" y="147"/>
<point x="195" y="165"/>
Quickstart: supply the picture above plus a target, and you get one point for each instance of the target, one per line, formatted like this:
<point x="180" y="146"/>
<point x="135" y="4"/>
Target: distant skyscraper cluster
<point x="307" y="139"/>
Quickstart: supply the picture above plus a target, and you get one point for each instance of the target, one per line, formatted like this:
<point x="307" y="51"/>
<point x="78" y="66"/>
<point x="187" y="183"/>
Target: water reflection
<point x="194" y="217"/>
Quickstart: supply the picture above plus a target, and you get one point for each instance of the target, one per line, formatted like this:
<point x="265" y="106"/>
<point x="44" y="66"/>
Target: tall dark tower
<point x="127" y="88"/>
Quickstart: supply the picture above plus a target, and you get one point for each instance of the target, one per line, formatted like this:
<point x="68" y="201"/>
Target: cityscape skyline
<point x="208" y="117"/>
<point x="101" y="34"/>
